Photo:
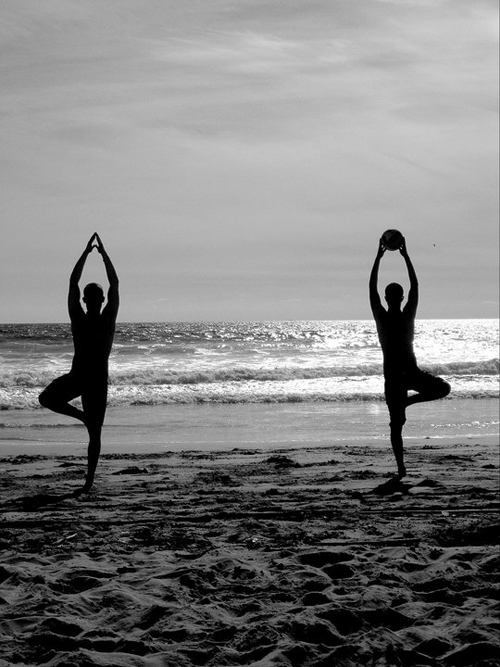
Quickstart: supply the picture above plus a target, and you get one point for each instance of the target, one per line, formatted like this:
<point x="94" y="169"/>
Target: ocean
<point x="164" y="373"/>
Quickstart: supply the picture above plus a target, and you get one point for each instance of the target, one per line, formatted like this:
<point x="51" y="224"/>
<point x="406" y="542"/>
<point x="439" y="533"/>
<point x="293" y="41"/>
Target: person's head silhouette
<point x="93" y="298"/>
<point x="394" y="295"/>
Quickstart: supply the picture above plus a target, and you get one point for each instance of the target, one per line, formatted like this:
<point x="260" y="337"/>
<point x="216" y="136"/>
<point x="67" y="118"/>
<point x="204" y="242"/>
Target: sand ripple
<point x="305" y="559"/>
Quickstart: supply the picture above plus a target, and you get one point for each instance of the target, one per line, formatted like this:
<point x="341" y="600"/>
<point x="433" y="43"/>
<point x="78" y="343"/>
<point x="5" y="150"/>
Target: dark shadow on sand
<point x="41" y="500"/>
<point x="393" y="485"/>
<point x="397" y="485"/>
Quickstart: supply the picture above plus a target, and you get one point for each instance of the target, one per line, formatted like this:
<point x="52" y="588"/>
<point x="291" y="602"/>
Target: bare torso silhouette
<point x="396" y="331"/>
<point x="92" y="339"/>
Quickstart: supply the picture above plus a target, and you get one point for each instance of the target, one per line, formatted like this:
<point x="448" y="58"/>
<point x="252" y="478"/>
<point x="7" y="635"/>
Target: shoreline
<point x="210" y="427"/>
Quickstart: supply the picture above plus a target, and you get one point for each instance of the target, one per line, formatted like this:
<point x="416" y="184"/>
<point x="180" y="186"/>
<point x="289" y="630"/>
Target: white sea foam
<point x="257" y="362"/>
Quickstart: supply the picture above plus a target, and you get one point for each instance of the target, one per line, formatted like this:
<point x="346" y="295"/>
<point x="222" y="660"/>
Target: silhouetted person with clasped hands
<point x="396" y="328"/>
<point x="93" y="333"/>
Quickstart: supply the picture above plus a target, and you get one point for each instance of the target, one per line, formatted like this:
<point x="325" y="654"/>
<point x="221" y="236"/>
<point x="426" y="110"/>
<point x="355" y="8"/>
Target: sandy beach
<point x="306" y="557"/>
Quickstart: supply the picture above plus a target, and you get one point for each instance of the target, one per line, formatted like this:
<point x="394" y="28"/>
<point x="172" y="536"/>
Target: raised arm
<point x="74" y="305"/>
<point x="113" y="293"/>
<point x="375" y="301"/>
<point x="412" y="302"/>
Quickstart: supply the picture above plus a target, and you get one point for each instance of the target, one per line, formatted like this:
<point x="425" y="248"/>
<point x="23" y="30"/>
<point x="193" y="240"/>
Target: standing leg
<point x="396" y="398"/>
<point x="396" y="425"/>
<point x="94" y="407"/>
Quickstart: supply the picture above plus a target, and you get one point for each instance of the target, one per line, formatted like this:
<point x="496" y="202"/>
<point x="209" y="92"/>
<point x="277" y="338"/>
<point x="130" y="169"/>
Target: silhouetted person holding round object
<point x="93" y="333"/>
<point x="396" y="328"/>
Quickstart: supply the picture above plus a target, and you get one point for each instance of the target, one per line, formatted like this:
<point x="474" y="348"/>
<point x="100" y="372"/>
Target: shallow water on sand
<point x="255" y="426"/>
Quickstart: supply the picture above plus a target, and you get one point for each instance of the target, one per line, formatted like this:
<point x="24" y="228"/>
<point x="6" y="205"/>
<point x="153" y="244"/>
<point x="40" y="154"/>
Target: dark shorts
<point x="93" y="391"/>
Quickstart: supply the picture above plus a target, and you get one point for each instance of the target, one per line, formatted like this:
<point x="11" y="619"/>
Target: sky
<point x="241" y="158"/>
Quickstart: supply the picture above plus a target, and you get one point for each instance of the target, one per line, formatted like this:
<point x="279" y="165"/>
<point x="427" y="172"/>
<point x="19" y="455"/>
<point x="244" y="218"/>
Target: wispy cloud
<point x="229" y="132"/>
